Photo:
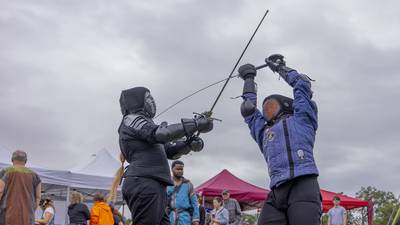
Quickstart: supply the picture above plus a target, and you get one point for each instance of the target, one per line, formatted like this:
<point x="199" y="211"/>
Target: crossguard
<point x="206" y="114"/>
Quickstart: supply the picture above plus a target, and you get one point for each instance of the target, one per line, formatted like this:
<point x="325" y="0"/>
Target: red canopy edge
<point x="345" y="201"/>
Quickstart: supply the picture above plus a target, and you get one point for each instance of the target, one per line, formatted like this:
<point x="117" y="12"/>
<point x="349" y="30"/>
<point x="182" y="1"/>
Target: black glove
<point x="196" y="144"/>
<point x="247" y="71"/>
<point x="275" y="62"/>
<point x="204" y="124"/>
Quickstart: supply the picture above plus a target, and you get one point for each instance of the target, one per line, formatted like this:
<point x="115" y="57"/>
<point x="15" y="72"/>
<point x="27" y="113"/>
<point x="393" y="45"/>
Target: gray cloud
<point x="63" y="65"/>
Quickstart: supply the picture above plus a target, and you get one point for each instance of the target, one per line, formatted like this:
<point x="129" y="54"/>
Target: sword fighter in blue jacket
<point x="285" y="132"/>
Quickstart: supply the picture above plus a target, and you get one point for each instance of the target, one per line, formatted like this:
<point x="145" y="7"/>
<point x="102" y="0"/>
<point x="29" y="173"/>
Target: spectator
<point x="48" y="215"/>
<point x="118" y="220"/>
<point x="20" y="192"/>
<point x="233" y="207"/>
<point x="202" y="210"/>
<point x="337" y="214"/>
<point x="78" y="212"/>
<point x="101" y="213"/>
<point x="219" y="215"/>
<point x="182" y="201"/>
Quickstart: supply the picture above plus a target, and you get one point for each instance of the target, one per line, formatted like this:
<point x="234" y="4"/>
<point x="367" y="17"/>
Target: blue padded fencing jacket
<point x="288" y="144"/>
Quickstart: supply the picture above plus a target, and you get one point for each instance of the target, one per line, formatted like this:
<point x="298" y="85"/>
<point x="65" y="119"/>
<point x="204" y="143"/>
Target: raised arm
<point x="305" y="109"/>
<point x="252" y="116"/>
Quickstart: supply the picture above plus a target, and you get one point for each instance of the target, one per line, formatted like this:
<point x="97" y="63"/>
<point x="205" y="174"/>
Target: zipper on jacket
<point x="288" y="148"/>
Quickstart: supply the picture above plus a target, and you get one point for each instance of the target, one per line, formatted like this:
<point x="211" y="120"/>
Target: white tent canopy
<point x="101" y="164"/>
<point x="85" y="178"/>
<point x="89" y="178"/>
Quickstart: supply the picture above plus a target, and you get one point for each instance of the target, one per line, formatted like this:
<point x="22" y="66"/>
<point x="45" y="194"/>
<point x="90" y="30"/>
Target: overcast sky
<point x="64" y="63"/>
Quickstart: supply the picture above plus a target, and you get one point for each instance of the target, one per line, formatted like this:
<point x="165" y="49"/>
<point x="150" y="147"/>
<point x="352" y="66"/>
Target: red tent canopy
<point x="345" y="201"/>
<point x="246" y="192"/>
<point x="238" y="188"/>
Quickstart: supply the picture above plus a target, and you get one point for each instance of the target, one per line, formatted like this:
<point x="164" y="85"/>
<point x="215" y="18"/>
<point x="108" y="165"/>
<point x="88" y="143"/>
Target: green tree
<point x="384" y="203"/>
<point x="357" y="216"/>
<point x="128" y="222"/>
<point x="324" y="219"/>
<point x="249" y="219"/>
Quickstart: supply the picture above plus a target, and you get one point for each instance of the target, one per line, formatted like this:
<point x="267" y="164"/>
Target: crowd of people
<point x="21" y="196"/>
<point x="184" y="207"/>
<point x="20" y="187"/>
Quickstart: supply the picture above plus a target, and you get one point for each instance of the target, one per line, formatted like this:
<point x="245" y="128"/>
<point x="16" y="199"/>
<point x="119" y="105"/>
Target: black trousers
<point x="147" y="200"/>
<point x="296" y="202"/>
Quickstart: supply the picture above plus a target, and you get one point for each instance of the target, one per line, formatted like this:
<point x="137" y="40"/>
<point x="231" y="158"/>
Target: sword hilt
<point x="207" y="115"/>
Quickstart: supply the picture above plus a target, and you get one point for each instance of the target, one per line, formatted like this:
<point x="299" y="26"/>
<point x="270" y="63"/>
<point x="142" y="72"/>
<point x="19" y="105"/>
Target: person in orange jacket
<point x="101" y="213"/>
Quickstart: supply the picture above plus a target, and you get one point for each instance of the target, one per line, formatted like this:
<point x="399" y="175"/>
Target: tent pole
<point x="365" y="214"/>
<point x="66" y="205"/>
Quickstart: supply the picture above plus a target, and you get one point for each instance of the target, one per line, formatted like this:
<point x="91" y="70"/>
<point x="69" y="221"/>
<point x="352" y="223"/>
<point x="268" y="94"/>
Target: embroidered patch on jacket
<point x="270" y="136"/>
<point x="300" y="153"/>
